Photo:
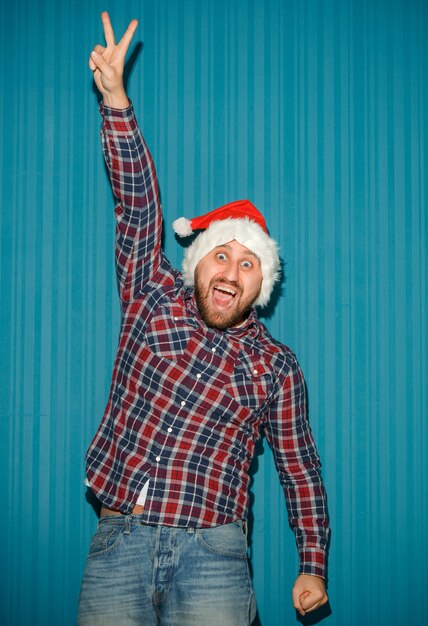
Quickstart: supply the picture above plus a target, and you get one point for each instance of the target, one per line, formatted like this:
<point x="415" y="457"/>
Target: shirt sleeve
<point x="296" y="458"/>
<point x="138" y="210"/>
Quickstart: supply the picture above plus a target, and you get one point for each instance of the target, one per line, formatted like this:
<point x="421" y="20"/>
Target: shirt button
<point x="198" y="375"/>
<point x="256" y="372"/>
<point x="183" y="403"/>
<point x="176" y="319"/>
<point x="157" y="459"/>
<point x="170" y="429"/>
<point x="213" y="349"/>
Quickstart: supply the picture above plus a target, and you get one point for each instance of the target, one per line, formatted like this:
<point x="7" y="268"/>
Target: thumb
<point x="306" y="600"/>
<point x="312" y="600"/>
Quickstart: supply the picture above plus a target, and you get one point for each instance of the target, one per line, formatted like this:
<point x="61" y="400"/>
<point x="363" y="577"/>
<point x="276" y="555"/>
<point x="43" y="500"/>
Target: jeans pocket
<point x="227" y="540"/>
<point x="105" y="539"/>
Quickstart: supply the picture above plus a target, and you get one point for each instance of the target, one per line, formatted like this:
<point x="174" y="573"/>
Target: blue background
<point x="317" y="112"/>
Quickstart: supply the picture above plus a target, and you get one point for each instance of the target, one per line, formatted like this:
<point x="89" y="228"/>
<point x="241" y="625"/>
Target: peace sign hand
<point x="108" y="62"/>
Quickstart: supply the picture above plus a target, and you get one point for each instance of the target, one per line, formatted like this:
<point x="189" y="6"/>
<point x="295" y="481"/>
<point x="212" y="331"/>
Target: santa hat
<point x="239" y="221"/>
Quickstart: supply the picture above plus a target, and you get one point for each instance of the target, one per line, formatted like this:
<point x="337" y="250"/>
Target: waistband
<point x="127" y="521"/>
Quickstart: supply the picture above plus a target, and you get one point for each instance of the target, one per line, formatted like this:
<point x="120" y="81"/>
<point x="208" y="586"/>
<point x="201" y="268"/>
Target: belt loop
<point x="128" y="524"/>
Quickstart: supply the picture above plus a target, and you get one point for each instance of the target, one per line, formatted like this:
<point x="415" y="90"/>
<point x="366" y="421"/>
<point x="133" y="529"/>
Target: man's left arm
<point x="296" y="458"/>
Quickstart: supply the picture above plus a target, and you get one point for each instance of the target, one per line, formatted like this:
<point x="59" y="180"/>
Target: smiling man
<point x="226" y="299"/>
<point x="233" y="264"/>
<point x="197" y="378"/>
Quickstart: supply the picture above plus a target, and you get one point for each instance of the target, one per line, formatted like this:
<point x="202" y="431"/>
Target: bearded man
<point x="196" y="379"/>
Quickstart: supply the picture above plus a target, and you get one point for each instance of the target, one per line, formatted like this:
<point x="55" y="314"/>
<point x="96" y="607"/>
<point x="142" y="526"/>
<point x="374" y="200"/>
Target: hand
<point x="107" y="63"/>
<point x="308" y="593"/>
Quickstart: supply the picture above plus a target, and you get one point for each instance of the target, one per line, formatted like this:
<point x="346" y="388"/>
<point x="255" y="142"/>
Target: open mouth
<point x="223" y="296"/>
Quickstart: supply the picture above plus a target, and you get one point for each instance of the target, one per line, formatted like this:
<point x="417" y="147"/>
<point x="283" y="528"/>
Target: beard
<point x="221" y="319"/>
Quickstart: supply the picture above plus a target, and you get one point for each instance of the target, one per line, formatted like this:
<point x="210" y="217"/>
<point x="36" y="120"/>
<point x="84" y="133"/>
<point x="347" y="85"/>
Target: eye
<point x="221" y="256"/>
<point x="246" y="265"/>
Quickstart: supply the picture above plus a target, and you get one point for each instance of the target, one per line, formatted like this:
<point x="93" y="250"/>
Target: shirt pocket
<point x="250" y="381"/>
<point x="167" y="336"/>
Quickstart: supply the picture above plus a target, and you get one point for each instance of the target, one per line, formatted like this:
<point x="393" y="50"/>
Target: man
<point x="196" y="378"/>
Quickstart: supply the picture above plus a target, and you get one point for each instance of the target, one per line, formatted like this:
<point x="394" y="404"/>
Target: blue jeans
<point x="159" y="575"/>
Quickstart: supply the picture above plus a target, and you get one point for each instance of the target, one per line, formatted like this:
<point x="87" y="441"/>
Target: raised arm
<point x="132" y="172"/>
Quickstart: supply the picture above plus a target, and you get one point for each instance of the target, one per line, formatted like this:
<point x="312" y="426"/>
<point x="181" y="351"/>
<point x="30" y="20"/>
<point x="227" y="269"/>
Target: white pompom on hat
<point x="239" y="221"/>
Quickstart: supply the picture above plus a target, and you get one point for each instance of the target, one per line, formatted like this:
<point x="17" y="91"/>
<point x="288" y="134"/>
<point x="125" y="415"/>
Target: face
<point x="227" y="282"/>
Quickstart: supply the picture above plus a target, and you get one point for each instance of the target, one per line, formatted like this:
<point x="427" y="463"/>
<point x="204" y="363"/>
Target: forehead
<point x="235" y="246"/>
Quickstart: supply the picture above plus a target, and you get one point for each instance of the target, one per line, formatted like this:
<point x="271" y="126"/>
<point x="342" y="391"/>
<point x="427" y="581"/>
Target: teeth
<point x="232" y="293"/>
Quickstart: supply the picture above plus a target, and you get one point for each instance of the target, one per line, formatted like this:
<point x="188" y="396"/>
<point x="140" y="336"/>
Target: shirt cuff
<point x="313" y="562"/>
<point x="118" y="121"/>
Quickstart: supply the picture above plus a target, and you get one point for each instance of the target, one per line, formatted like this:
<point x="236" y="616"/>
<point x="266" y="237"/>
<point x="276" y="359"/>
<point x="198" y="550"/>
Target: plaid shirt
<point x="187" y="402"/>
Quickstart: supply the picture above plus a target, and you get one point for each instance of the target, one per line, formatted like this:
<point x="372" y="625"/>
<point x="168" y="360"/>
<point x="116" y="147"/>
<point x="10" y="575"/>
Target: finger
<point x="108" y="29"/>
<point x="310" y="603"/>
<point x="313" y="607"/>
<point x="100" y="50"/>
<point x="101" y="65"/>
<point x="123" y="44"/>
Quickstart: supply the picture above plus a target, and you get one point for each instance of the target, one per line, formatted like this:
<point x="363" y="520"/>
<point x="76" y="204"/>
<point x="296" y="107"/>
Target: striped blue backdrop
<point x="315" y="110"/>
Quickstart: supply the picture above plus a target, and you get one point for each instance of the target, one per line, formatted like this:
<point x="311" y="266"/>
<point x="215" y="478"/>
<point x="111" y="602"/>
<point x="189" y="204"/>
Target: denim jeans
<point x="159" y="575"/>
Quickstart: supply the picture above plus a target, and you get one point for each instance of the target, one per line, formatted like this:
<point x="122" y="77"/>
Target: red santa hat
<point x="239" y="221"/>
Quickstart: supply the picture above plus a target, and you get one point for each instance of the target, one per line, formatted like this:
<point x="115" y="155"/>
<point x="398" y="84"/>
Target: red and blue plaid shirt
<point x="187" y="402"/>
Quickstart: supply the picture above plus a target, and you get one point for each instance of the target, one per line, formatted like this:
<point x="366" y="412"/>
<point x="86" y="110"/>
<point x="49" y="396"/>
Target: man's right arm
<point x="138" y="211"/>
<point x="131" y="169"/>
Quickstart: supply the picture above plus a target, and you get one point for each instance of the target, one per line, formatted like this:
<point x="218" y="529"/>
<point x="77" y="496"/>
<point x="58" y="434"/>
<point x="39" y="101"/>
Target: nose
<point x="231" y="272"/>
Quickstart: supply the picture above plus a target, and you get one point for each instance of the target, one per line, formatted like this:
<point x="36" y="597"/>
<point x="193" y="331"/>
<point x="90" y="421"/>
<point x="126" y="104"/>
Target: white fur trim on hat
<point x="247" y="233"/>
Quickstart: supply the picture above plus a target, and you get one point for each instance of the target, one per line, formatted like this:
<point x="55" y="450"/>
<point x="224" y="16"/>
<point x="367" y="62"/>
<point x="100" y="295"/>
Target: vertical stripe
<point x="316" y="111"/>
